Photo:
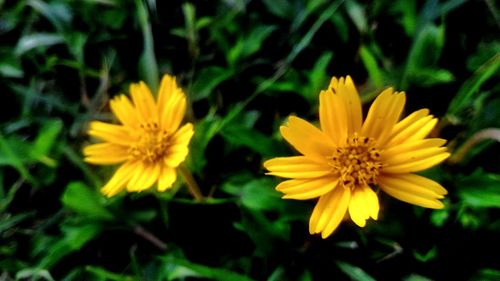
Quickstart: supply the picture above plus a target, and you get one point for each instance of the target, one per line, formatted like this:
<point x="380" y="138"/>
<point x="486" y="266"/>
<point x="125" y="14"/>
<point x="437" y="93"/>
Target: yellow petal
<point x="372" y="202"/>
<point x="338" y="208"/>
<point x="357" y="210"/>
<point x="296" y="167"/>
<point x="144" y="177"/>
<point x="303" y="189"/>
<point x="383" y="115"/>
<point x="178" y="150"/>
<point x="415" y="131"/>
<point x="144" y="102"/>
<point x="363" y="204"/>
<point x="412" y="183"/>
<point x="167" y="178"/>
<point x="183" y="135"/>
<point x="329" y="212"/>
<point x="105" y="153"/>
<point x="410" y="119"/>
<point x="411" y="146"/>
<point x="409" y="188"/>
<point x="412" y="156"/>
<point x="116" y="134"/>
<point x="416" y="166"/>
<point x="124" y="111"/>
<point x="307" y="139"/>
<point x="171" y="104"/>
<point x="333" y="117"/>
<point x="414" y="199"/>
<point x="424" y="131"/>
<point x="346" y="90"/>
<point x="119" y="179"/>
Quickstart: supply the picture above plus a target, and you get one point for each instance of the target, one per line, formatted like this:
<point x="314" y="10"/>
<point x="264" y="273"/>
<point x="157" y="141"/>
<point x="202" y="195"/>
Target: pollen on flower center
<point x="357" y="163"/>
<point x="152" y="143"/>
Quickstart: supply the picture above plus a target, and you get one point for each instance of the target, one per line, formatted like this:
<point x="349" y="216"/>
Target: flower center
<point x="357" y="163"/>
<point x="152" y="143"/>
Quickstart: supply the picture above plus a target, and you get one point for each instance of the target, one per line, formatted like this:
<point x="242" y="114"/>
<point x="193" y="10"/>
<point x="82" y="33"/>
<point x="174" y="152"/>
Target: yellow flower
<point x="343" y="161"/>
<point x="148" y="143"/>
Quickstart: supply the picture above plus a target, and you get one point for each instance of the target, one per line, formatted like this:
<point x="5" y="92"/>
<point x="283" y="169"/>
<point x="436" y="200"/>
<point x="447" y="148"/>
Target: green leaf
<point x="249" y="44"/>
<point x="203" y="22"/>
<point x="34" y="274"/>
<point x="470" y="88"/>
<point x="181" y="268"/>
<point x="76" y="43"/>
<point x="427" y="77"/>
<point x="279" y="8"/>
<point x="11" y="68"/>
<point x="204" y="131"/>
<point x="103" y="274"/>
<point x="371" y="65"/>
<point x="13" y="152"/>
<point x="439" y="217"/>
<point x="255" y="194"/>
<point x="450" y="5"/>
<point x="114" y="19"/>
<point x="487" y="274"/>
<point x="279" y="274"/>
<point x="46" y="139"/>
<point x="357" y="14"/>
<point x="485" y="51"/>
<point x="37" y="40"/>
<point x="207" y="80"/>
<point x="148" y="67"/>
<point x="306" y="39"/>
<point x="75" y="237"/>
<point x="486" y="114"/>
<point x="479" y="190"/>
<point x="471" y="218"/>
<point x="240" y="135"/>
<point x="261" y="195"/>
<point x="7" y="197"/>
<point x="424" y="53"/>
<point x="85" y="201"/>
<point x="74" y="157"/>
<point x="425" y="257"/>
<point x="58" y="13"/>
<point x="6" y="221"/>
<point x="354" y="272"/>
<point x="408" y="17"/>
<point x="318" y="77"/>
<point x="341" y="26"/>
<point x="263" y="231"/>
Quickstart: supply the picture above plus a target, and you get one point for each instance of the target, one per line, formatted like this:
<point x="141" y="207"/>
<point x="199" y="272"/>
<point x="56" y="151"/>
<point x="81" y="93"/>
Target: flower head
<point x="343" y="161"/>
<point x="148" y="142"/>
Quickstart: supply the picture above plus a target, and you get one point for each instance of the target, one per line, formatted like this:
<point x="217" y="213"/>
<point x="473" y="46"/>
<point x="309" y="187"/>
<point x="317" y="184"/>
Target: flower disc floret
<point x="152" y="144"/>
<point x="358" y="163"/>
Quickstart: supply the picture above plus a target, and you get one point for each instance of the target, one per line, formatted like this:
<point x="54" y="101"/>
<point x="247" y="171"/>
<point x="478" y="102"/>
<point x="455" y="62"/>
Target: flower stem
<point x="139" y="230"/>
<point x="191" y="183"/>
<point x="488" y="133"/>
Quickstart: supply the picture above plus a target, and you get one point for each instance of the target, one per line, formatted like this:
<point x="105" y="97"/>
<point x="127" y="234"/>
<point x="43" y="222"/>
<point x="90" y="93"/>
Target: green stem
<point x="192" y="186"/>
<point x="488" y="133"/>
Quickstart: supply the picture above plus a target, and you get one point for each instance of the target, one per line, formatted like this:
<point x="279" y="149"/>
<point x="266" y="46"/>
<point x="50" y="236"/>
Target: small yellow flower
<point x="148" y="143"/>
<point x="343" y="161"/>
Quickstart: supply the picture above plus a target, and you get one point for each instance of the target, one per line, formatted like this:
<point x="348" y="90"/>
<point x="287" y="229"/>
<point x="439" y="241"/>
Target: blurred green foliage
<point x="245" y="66"/>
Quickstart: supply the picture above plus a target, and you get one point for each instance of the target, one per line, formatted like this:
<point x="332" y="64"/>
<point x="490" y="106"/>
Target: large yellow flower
<point x="343" y="161"/>
<point x="148" y="143"/>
